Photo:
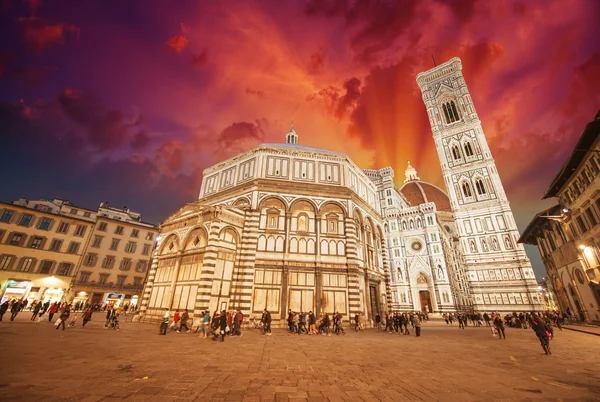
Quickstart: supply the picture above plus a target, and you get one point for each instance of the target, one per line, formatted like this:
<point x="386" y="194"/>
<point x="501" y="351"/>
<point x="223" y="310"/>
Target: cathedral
<point x="288" y="227"/>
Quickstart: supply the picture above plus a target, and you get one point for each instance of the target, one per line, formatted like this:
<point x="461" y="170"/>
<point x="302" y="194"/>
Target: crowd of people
<point x="229" y="323"/>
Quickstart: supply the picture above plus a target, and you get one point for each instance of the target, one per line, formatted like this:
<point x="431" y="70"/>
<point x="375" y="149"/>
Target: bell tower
<point x="498" y="270"/>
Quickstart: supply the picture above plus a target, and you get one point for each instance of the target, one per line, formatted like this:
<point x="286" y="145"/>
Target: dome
<point x="419" y="192"/>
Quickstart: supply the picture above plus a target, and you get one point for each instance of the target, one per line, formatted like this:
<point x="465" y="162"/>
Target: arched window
<point x="454" y="111"/>
<point x="455" y="152"/>
<point x="450" y="112"/>
<point x="468" y="149"/>
<point x="445" y="108"/>
<point x="302" y="223"/>
<point x="480" y="187"/>
<point x="467" y="190"/>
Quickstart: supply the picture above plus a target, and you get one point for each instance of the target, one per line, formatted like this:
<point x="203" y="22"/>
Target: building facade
<point x="568" y="234"/>
<point x="290" y="227"/>
<point x="49" y="251"/>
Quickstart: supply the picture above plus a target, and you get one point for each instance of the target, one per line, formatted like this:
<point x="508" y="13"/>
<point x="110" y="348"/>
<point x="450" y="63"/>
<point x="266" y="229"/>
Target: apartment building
<point x="41" y="246"/>
<point x="52" y="250"/>
<point x="568" y="234"/>
<point x="116" y="261"/>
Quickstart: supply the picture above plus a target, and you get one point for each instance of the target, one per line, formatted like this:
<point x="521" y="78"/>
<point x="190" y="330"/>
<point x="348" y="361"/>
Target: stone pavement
<point x="444" y="364"/>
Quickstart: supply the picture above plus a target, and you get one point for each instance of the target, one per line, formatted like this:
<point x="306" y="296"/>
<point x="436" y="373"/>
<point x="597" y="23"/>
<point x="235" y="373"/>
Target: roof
<point x="586" y="141"/>
<point x="532" y="231"/>
<point x="419" y="192"/>
<point x="301" y="148"/>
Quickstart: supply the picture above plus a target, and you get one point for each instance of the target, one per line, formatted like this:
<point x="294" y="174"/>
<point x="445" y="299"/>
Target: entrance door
<point x="425" y="301"/>
<point x="374" y="304"/>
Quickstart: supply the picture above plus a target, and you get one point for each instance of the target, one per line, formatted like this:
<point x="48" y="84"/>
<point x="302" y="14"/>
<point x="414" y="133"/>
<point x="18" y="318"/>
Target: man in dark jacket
<point x="36" y="311"/>
<point x="3" y="309"/>
<point x="266" y="320"/>
<point x="222" y="325"/>
<point x="184" y="319"/>
<point x="14" y="309"/>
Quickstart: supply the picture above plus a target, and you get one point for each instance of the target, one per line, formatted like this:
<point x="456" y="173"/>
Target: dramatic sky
<point x="128" y="101"/>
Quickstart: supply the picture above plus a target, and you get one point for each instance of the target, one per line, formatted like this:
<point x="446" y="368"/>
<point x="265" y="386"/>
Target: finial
<point x="292" y="128"/>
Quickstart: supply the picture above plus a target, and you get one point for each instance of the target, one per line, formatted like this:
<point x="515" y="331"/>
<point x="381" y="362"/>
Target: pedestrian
<point x="205" y="322"/>
<point x="266" y="320"/>
<point x="417" y="323"/>
<point x="237" y="323"/>
<point x="312" y="323"/>
<point x="165" y="322"/>
<point x="87" y="316"/>
<point x="175" y="320"/>
<point x="109" y="314"/>
<point x="221" y="326"/>
<point x="499" y="324"/>
<point x="52" y="310"/>
<point x="184" y="319"/>
<point x="3" y="309"/>
<point x="377" y="321"/>
<point x="14" y="310"/>
<point x="36" y="311"/>
<point x="542" y="331"/>
<point x="64" y="316"/>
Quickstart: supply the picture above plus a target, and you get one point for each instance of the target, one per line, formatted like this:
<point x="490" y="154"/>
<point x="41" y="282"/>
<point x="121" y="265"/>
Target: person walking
<point x="237" y="323"/>
<point x="3" y="309"/>
<point x="64" y="316"/>
<point x="184" y="319"/>
<point x="542" y="331"/>
<point x="109" y="315"/>
<point x="499" y="324"/>
<point x="87" y="316"/>
<point x="36" y="311"/>
<point x="417" y="323"/>
<point x="205" y="323"/>
<point x="220" y="326"/>
<point x="164" y="325"/>
<point x="14" y="310"/>
<point x="266" y="320"/>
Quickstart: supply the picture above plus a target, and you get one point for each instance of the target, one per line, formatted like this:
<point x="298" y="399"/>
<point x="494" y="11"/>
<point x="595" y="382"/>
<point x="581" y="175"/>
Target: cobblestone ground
<point x="444" y="364"/>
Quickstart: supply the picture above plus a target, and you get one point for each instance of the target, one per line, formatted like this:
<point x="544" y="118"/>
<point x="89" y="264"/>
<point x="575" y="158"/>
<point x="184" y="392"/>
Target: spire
<point x="291" y="137"/>
<point x="410" y="173"/>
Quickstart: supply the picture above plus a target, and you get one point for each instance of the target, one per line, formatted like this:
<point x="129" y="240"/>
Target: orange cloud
<point x="41" y="35"/>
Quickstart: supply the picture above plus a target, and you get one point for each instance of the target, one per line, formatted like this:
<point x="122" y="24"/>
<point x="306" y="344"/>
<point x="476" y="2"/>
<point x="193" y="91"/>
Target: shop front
<point x="114" y="299"/>
<point x="15" y="289"/>
<point x="80" y="298"/>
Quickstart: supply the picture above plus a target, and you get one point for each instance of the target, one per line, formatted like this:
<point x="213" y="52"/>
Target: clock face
<point x="416" y="245"/>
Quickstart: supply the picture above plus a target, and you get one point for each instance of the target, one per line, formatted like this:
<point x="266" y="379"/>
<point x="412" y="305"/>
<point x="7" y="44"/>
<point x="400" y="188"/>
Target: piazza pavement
<point x="444" y="364"/>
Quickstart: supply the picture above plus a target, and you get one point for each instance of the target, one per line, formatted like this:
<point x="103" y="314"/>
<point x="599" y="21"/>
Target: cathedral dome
<point x="419" y="192"/>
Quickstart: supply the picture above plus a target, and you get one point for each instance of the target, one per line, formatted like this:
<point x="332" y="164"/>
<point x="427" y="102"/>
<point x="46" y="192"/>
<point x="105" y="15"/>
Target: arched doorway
<point x="423" y="294"/>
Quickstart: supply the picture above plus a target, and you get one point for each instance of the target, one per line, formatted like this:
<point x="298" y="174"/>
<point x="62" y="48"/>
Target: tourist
<point x="486" y="318"/>
<point x="417" y="326"/>
<point x="499" y="324"/>
<point x="64" y="316"/>
<point x="109" y="314"/>
<point x="238" y="318"/>
<point x="165" y="322"/>
<point x="377" y="321"/>
<point x="312" y="323"/>
<point x="87" y="316"/>
<point x="461" y="321"/>
<point x="184" y="319"/>
<point x="175" y="320"/>
<point x="205" y="324"/>
<point x="221" y="326"/>
<point x="229" y="330"/>
<point x="3" y="309"/>
<point x="302" y="323"/>
<point x="14" y="309"/>
<point x="542" y="331"/>
<point x="36" y="310"/>
<point x="266" y="320"/>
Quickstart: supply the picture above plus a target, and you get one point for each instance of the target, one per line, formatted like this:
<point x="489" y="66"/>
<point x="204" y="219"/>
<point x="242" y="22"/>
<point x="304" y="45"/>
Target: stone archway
<point x="423" y="299"/>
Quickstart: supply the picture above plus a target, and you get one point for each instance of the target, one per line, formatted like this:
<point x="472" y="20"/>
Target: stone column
<point x="284" y="268"/>
<point x="318" y="279"/>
